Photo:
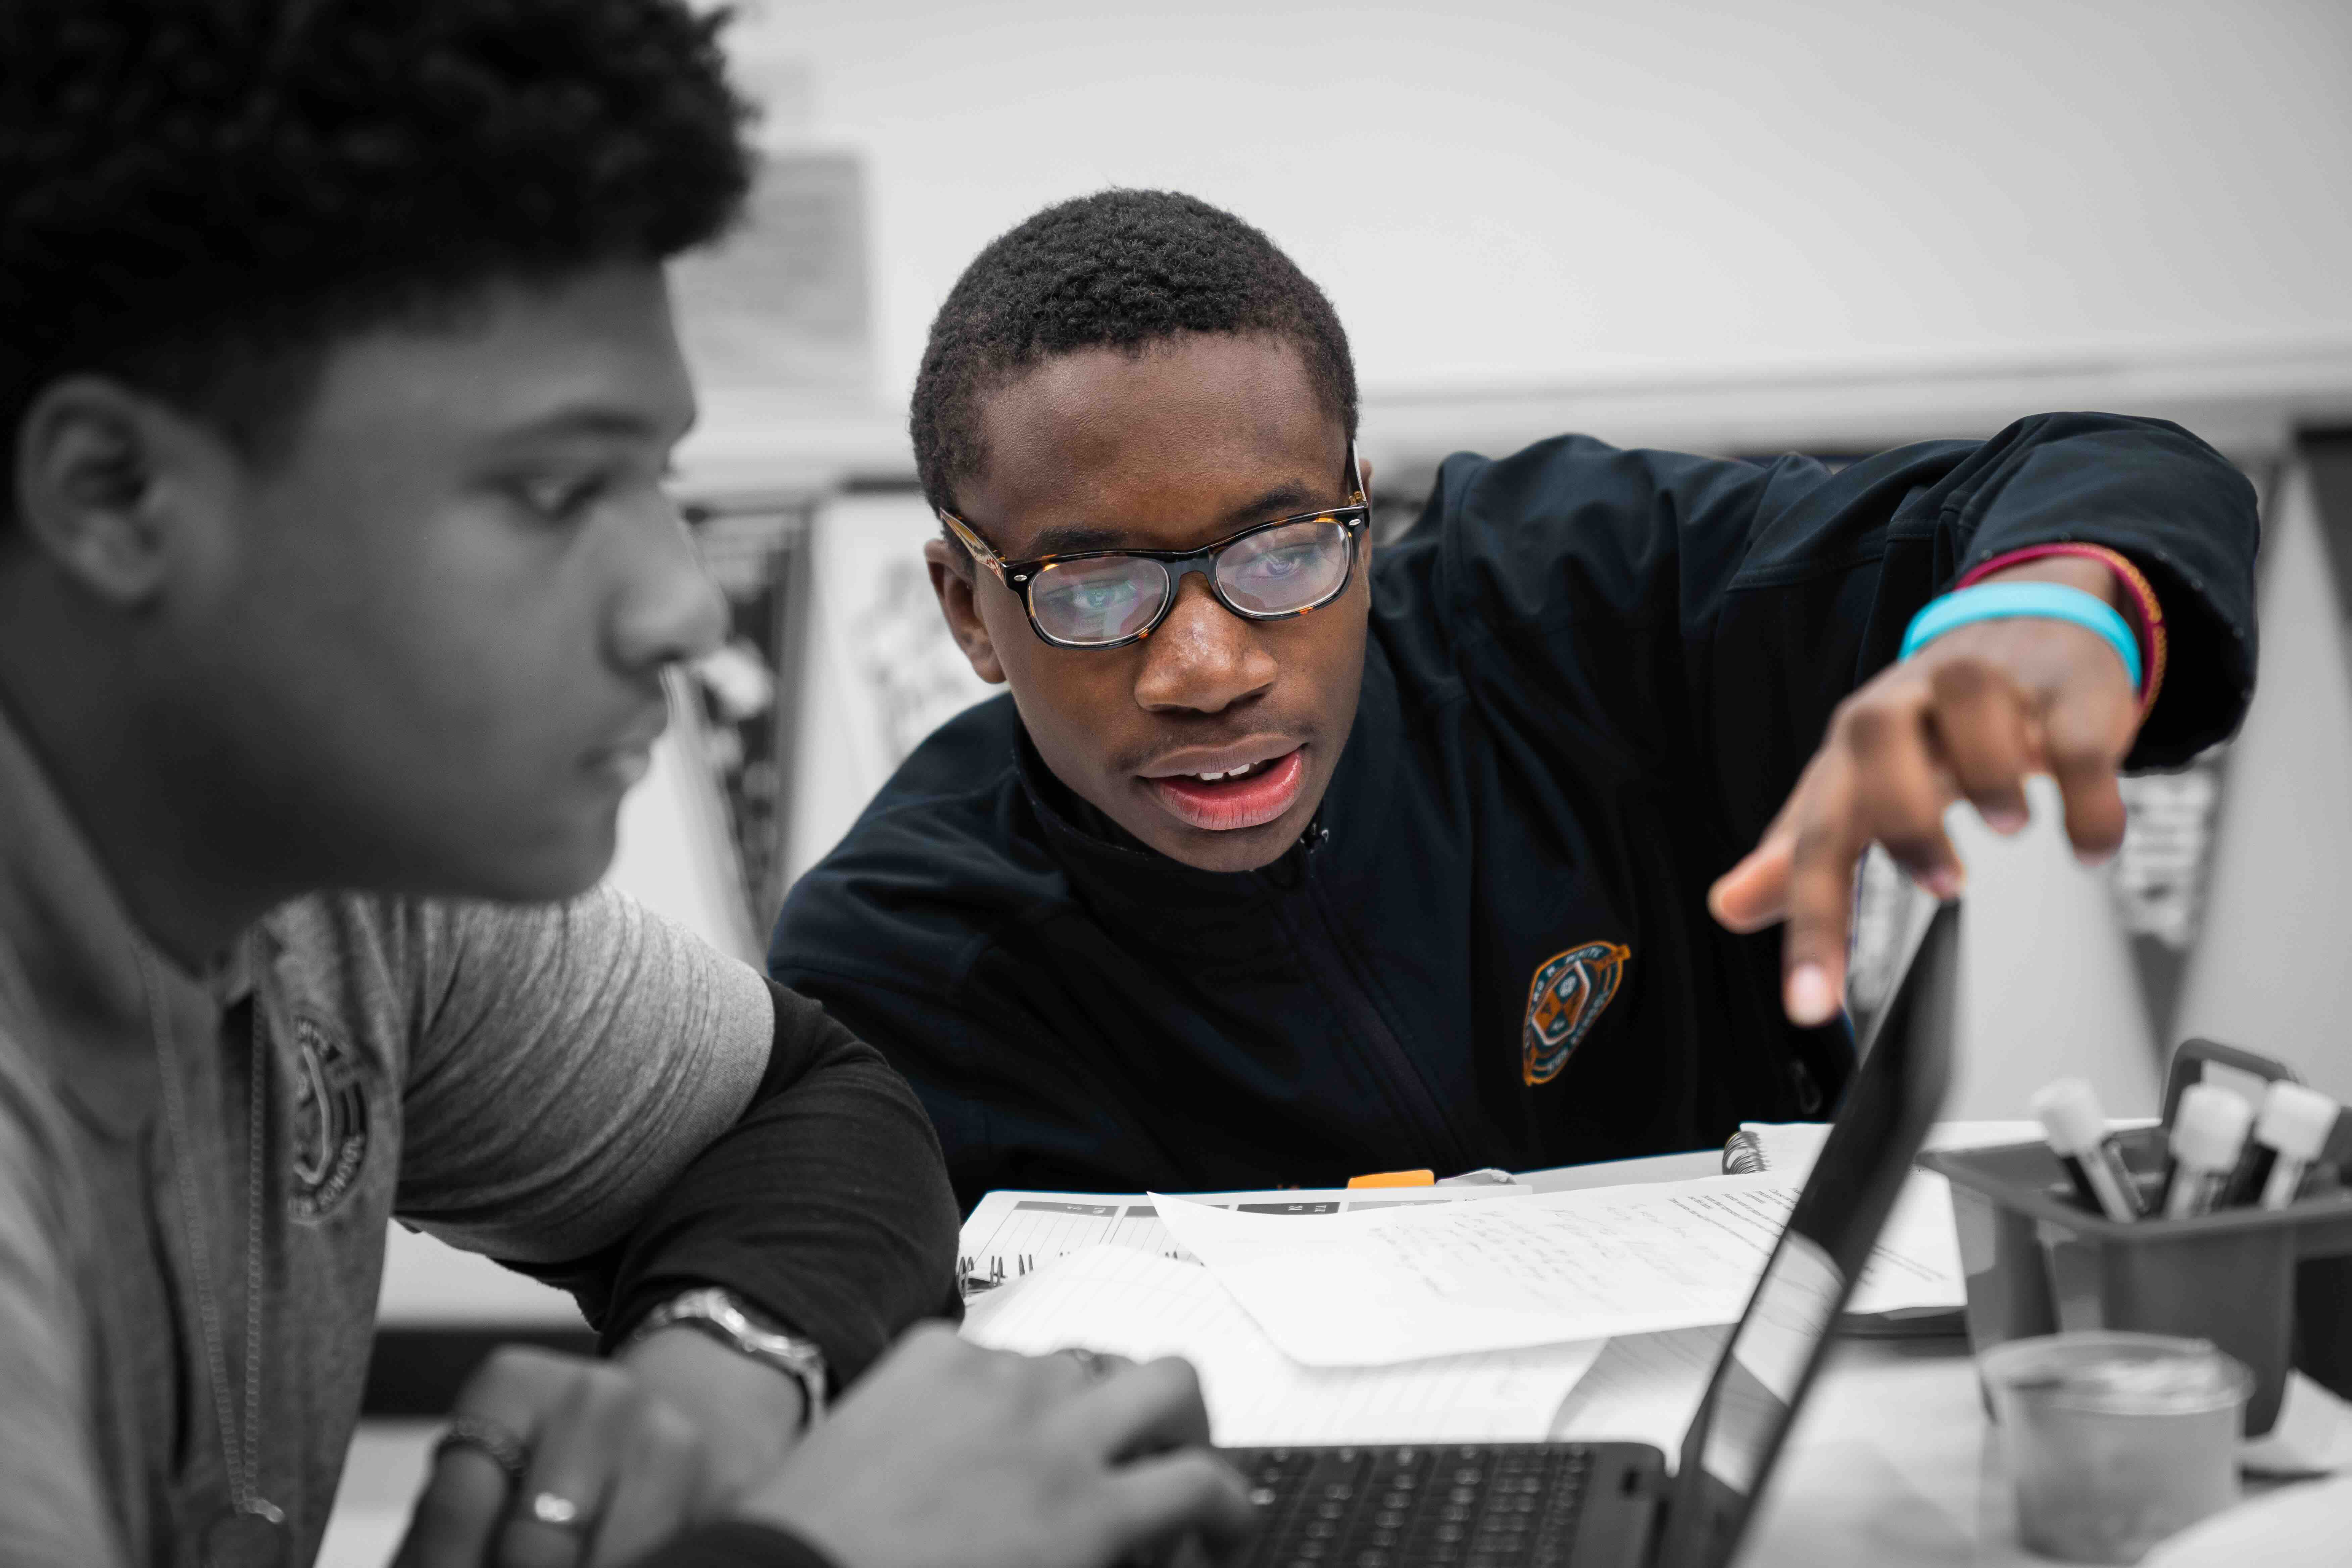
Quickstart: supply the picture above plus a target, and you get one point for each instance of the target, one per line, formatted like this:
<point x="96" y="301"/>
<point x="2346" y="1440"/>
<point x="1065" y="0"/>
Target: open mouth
<point x="1250" y="795"/>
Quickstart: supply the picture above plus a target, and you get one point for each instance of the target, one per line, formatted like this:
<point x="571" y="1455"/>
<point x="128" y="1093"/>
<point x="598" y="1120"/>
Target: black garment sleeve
<point x="736" y="1543"/>
<point x="826" y="1206"/>
<point x="1711" y="611"/>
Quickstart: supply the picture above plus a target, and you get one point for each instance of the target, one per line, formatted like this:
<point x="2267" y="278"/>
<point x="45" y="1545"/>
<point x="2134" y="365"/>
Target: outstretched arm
<point x="1970" y="717"/>
<point x="1739" y="624"/>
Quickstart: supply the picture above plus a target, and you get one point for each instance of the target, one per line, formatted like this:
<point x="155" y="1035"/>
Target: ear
<point x="1364" y="476"/>
<point x="97" y="488"/>
<point x="955" y="579"/>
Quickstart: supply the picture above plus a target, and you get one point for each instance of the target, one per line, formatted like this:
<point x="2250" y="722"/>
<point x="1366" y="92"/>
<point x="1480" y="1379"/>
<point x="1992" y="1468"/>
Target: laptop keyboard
<point x="1477" y="1506"/>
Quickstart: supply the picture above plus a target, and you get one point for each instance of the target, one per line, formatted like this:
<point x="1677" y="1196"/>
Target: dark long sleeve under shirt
<point x="826" y="1205"/>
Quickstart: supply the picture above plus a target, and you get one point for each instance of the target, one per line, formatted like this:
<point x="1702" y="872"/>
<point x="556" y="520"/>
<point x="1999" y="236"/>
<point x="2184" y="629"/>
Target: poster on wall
<point x="881" y="671"/>
<point x="758" y="552"/>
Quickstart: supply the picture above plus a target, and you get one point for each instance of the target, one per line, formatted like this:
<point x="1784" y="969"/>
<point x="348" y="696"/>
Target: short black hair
<point x="1119" y="269"/>
<point x="198" y="196"/>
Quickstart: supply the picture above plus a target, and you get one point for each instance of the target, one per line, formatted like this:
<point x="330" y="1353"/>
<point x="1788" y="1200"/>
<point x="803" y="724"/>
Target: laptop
<point x="1615" y="1505"/>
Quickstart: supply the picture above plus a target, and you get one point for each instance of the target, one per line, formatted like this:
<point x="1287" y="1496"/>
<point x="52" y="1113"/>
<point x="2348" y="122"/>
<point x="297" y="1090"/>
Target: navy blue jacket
<point x="1592" y="678"/>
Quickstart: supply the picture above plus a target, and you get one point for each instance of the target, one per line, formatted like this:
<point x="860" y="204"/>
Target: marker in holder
<point x="2093" y="1160"/>
<point x="2290" y="1132"/>
<point x="2209" y="1132"/>
<point x="2271" y="1287"/>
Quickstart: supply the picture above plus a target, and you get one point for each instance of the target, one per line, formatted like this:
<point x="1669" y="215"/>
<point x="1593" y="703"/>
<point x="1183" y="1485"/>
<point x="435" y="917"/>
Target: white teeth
<point x="1228" y="773"/>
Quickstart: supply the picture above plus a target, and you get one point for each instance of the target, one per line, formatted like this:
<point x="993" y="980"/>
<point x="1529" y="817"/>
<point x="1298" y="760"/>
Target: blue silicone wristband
<point x="2009" y="600"/>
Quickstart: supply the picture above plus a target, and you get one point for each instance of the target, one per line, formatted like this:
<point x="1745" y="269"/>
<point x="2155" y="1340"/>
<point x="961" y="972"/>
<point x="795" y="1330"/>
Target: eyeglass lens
<point x="1113" y="597"/>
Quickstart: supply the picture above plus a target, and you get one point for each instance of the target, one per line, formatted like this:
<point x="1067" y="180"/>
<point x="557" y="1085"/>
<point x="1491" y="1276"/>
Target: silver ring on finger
<point x="1092" y="1365"/>
<point x="555" y="1510"/>
<point x="490" y="1440"/>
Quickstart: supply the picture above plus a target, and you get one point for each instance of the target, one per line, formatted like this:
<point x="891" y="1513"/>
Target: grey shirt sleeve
<point x="52" y="1500"/>
<point x="566" y="1063"/>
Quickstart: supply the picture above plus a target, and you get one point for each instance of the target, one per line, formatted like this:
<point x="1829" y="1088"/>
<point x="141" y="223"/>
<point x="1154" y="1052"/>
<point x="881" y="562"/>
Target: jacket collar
<point x="1137" y="892"/>
<point x="69" y="971"/>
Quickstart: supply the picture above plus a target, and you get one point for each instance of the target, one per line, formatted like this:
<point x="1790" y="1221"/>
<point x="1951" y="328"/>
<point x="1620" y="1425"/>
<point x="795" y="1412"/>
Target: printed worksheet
<point x="1131" y="1302"/>
<point x="1370" y="1289"/>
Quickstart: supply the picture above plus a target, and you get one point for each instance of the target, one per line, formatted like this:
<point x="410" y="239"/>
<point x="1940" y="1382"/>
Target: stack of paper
<point x="1135" y="1304"/>
<point x="1376" y="1288"/>
<point x="1379" y="1316"/>
<point x="1012" y="1234"/>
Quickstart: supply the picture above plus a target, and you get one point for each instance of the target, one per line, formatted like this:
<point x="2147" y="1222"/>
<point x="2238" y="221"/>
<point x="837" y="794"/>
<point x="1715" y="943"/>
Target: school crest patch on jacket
<point x="1570" y="991"/>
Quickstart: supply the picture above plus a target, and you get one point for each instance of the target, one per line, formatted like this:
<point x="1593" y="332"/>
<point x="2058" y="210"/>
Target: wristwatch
<point x="721" y="1315"/>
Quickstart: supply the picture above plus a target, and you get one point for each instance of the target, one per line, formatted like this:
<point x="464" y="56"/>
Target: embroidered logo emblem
<point x="1567" y="999"/>
<point x="331" y="1124"/>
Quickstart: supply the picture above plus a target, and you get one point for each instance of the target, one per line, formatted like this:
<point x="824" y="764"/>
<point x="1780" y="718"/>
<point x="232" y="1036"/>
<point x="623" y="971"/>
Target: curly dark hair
<point x="198" y="196"/>
<point x="1116" y="270"/>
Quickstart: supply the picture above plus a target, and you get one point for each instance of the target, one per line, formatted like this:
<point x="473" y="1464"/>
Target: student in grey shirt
<point x="336" y="587"/>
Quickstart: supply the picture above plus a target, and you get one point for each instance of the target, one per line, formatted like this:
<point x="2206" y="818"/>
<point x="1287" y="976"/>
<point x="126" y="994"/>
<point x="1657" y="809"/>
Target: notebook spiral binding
<point x="1743" y="1154"/>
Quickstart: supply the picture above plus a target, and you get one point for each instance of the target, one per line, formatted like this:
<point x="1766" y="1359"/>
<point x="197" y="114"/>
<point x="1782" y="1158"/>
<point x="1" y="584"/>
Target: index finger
<point x="1826" y="854"/>
<point x="1193" y="1490"/>
<point x="1138" y="1410"/>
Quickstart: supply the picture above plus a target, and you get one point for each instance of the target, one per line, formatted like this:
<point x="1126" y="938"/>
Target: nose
<point x="666" y="609"/>
<point x="1203" y="658"/>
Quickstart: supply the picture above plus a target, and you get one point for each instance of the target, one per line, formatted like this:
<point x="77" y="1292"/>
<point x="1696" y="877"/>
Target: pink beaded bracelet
<point x="2141" y="608"/>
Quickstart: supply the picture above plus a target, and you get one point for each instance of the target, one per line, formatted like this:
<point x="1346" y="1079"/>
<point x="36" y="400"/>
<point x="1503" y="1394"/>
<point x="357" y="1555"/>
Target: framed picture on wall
<point x="758" y="548"/>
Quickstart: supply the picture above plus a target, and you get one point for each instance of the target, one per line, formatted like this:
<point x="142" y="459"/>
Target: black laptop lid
<point x="1775" y="1348"/>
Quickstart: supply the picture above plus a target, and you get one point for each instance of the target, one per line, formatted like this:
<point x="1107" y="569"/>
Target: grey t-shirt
<point x="517" y="1081"/>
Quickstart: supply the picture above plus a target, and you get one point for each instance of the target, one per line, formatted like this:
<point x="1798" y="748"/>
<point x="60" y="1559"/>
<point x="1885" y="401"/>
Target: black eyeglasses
<point x="1107" y="598"/>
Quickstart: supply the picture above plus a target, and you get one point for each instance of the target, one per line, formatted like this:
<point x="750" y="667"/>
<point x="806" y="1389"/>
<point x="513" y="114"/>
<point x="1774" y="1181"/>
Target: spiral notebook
<point x="1011" y="1233"/>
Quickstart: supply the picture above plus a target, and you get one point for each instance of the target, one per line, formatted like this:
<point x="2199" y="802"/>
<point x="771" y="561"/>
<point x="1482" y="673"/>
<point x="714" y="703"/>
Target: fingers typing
<point x="1138" y="1410"/>
<point x="564" y="1496"/>
<point x="468" y="1494"/>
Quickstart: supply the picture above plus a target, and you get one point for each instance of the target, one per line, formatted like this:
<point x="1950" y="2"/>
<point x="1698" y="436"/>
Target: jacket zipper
<point x="1388" y="1054"/>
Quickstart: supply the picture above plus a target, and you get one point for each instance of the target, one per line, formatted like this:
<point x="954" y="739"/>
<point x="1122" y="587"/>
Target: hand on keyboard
<point x="947" y="1456"/>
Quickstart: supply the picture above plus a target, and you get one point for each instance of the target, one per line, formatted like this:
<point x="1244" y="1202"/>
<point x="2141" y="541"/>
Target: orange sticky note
<point x="1395" y="1179"/>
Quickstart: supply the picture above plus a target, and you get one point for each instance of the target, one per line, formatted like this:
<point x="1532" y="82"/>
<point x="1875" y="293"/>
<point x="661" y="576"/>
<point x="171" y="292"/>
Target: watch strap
<point x="720" y="1315"/>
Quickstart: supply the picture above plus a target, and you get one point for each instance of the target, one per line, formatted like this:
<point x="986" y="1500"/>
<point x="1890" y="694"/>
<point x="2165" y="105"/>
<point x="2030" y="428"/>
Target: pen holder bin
<point x="2037" y="1263"/>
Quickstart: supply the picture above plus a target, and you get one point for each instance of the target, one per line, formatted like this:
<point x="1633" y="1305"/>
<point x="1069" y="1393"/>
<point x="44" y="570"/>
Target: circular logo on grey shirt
<point x="331" y="1123"/>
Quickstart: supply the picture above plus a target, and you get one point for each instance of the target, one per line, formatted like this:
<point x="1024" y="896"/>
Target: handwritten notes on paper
<point x="1379" y="1288"/>
<point x="1136" y="1303"/>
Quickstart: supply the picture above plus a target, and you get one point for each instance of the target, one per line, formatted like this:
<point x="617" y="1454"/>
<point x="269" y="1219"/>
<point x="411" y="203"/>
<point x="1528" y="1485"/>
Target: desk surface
<point x="1892" y="1460"/>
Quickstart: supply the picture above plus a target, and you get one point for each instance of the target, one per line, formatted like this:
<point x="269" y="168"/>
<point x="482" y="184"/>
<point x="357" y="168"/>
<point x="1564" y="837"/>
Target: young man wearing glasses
<point x="1529" y="840"/>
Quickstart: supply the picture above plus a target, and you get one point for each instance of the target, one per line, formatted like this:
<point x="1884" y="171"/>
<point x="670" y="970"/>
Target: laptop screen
<point x="1777" y="1346"/>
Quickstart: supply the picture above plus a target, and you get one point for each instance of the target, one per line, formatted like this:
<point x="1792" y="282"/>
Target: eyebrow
<point x="1069" y="539"/>
<point x="597" y="419"/>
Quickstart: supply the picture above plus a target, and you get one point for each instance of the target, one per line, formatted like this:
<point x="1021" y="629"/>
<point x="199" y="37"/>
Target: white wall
<point x="1509" y="192"/>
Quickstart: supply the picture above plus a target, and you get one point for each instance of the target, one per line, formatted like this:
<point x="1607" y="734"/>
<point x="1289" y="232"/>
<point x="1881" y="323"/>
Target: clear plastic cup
<point x="2116" y="1440"/>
